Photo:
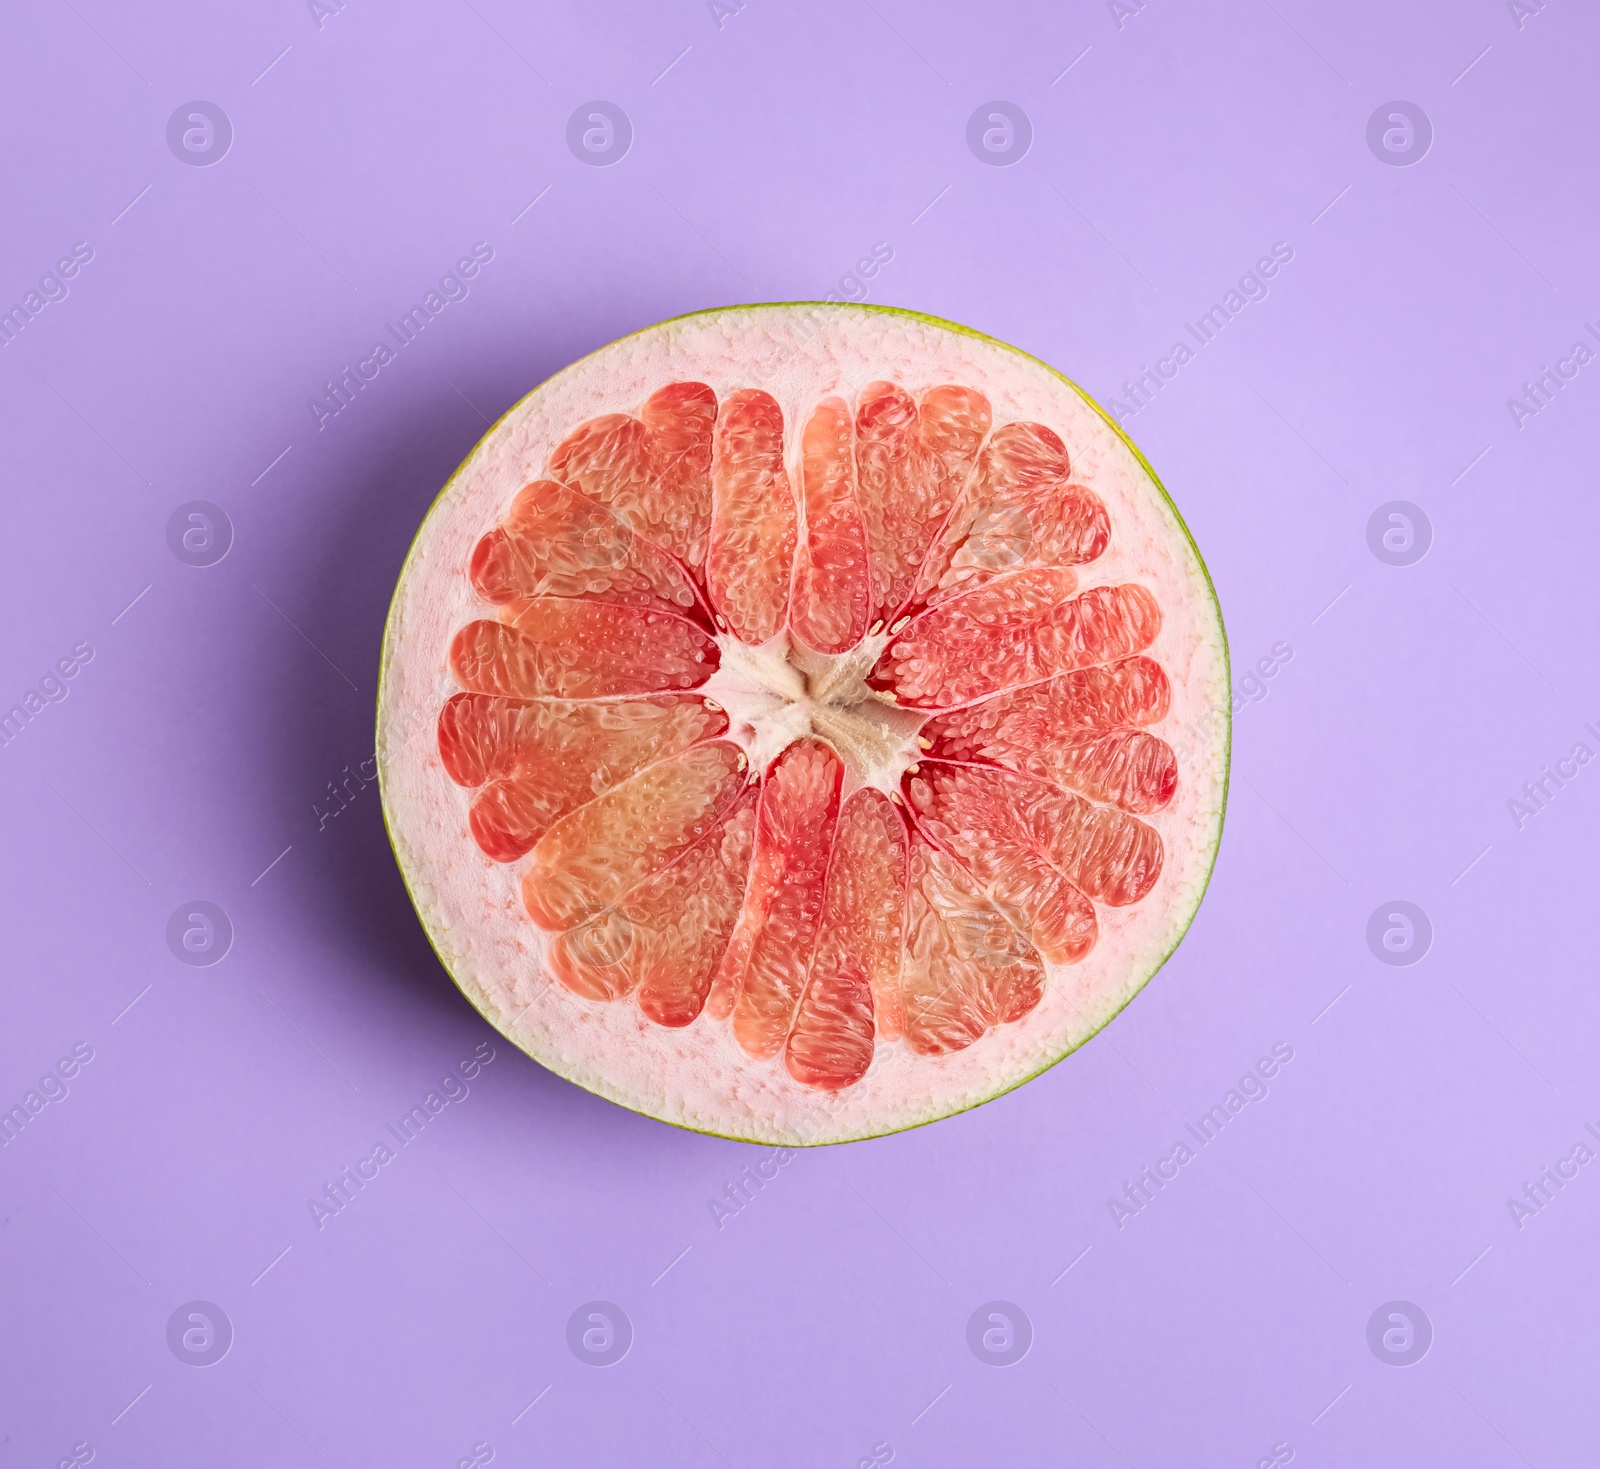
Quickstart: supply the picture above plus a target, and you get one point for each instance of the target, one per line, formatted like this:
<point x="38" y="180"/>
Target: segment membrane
<point x="968" y="967"/>
<point x="1014" y="630"/>
<point x="912" y="463"/>
<point x="538" y="759"/>
<point x="1019" y="510"/>
<point x="664" y="940"/>
<point x="559" y="543"/>
<point x="1074" y="729"/>
<point x="1003" y="825"/>
<point x="653" y="471"/>
<point x="595" y="855"/>
<point x="982" y="831"/>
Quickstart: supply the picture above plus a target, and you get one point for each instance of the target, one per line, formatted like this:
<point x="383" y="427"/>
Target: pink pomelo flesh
<point x="805" y="759"/>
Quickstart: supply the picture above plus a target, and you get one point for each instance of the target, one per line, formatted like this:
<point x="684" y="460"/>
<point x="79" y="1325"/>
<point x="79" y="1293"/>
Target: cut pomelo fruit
<point x="777" y="726"/>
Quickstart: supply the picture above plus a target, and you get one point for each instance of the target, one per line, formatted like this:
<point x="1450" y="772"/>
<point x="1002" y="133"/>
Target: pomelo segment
<point x="557" y="542"/>
<point x="968" y="966"/>
<point x="557" y="647"/>
<point x="654" y="471"/>
<point x="664" y="940"/>
<point x="752" y="518"/>
<point x="780" y="751"/>
<point x="764" y="970"/>
<point x="912" y="463"/>
<point x="1016" y="629"/>
<point x="1037" y="844"/>
<point x="982" y="821"/>
<point x="853" y="990"/>
<point x="1019" y="509"/>
<point x="833" y="590"/>
<point x="597" y="854"/>
<point x="1077" y="729"/>
<point x="537" y="759"/>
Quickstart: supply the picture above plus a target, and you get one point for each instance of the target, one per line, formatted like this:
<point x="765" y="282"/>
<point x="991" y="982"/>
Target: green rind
<point x="966" y="331"/>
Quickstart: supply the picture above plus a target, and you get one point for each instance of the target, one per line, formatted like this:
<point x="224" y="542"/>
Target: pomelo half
<point x="803" y="722"/>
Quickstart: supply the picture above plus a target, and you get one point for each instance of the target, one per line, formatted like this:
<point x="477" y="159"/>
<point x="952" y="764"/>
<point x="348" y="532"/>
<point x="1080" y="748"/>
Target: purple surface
<point x="825" y="1322"/>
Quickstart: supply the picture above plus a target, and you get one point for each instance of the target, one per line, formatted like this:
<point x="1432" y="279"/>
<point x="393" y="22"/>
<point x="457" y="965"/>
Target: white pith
<point x="781" y="691"/>
<point x="698" y="1077"/>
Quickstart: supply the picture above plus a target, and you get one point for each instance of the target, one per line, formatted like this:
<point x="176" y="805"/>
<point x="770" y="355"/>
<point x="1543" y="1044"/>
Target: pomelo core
<point x="803" y="722"/>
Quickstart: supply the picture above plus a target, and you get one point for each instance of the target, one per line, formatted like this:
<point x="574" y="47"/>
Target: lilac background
<point x="1170" y="152"/>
